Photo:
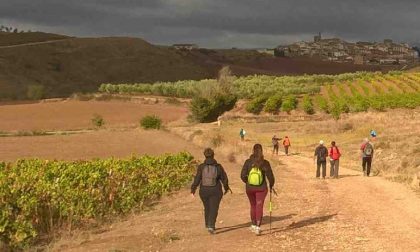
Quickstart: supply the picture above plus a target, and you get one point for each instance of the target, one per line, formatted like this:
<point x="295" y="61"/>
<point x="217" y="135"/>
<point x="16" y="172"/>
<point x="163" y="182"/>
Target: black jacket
<point x="267" y="172"/>
<point x="321" y="153"/>
<point x="221" y="177"/>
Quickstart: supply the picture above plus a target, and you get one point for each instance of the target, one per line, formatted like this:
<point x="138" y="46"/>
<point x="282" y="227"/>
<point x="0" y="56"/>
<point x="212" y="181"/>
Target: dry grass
<point x="396" y="148"/>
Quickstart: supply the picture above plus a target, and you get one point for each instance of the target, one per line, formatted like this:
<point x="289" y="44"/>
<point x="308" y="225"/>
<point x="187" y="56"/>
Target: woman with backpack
<point x="334" y="160"/>
<point x="210" y="177"/>
<point x="255" y="173"/>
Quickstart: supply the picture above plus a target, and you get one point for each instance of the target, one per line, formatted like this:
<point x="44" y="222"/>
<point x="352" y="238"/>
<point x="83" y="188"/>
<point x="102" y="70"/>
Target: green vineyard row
<point x="39" y="196"/>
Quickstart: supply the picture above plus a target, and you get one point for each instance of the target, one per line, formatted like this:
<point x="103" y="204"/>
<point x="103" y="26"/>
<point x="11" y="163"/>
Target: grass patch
<point x="151" y="122"/>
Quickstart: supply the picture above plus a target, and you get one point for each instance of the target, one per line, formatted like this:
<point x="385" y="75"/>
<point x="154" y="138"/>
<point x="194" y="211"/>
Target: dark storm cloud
<point x="220" y="23"/>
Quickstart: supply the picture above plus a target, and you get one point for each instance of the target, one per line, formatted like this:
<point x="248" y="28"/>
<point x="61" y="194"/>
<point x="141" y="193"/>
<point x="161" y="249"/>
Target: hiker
<point x="210" y="177"/>
<point x="286" y="145"/>
<point x="242" y="134"/>
<point x="275" y="140"/>
<point x="334" y="160"/>
<point x="373" y="134"/>
<point x="321" y="154"/>
<point x="367" y="155"/>
<point x="255" y="173"/>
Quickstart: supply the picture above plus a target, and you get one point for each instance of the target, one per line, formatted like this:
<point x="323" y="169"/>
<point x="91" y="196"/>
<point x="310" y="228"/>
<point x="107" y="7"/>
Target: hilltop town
<point x="338" y="50"/>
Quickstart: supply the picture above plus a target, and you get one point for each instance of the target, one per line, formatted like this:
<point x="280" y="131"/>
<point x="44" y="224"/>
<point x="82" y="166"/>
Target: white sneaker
<point x="252" y="228"/>
<point x="257" y="230"/>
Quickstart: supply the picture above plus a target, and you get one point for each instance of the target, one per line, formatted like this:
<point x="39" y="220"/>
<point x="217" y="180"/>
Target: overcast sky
<point x="219" y="23"/>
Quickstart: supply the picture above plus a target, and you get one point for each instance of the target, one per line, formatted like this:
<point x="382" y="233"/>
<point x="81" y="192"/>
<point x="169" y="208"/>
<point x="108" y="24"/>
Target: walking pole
<point x="270" y="206"/>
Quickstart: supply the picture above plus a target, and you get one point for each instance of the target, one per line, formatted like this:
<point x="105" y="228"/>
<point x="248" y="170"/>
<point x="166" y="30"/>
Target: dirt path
<point x="353" y="213"/>
<point x="34" y="43"/>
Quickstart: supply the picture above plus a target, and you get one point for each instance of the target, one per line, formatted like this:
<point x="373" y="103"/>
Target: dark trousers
<point x="256" y="199"/>
<point x="286" y="150"/>
<point x="318" y="168"/>
<point x="366" y="164"/>
<point x="335" y="165"/>
<point x="211" y="198"/>
<point x="276" y="149"/>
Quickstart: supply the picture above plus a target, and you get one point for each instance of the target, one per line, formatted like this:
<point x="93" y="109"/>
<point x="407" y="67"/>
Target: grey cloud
<point x="221" y="23"/>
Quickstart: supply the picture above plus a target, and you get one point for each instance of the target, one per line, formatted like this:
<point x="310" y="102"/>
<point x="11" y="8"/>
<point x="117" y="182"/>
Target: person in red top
<point x="286" y="144"/>
<point x="334" y="160"/>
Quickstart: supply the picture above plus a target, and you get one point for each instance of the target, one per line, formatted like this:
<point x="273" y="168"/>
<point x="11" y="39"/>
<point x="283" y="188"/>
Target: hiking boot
<point x="252" y="228"/>
<point x="211" y="230"/>
<point x="257" y="230"/>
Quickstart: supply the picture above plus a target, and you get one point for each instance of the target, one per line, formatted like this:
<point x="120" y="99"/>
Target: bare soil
<point x="97" y="144"/>
<point x="70" y="115"/>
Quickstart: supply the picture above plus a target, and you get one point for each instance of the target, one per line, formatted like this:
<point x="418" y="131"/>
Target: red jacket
<point x="335" y="153"/>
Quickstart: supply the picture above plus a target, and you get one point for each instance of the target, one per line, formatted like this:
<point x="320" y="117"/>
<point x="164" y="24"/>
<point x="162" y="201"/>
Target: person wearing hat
<point x="321" y="154"/>
<point x="210" y="177"/>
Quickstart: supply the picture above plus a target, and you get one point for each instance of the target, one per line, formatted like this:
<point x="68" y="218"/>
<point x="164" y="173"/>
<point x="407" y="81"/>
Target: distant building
<point x="338" y="50"/>
<point x="317" y="38"/>
<point x="185" y="46"/>
<point x="268" y="51"/>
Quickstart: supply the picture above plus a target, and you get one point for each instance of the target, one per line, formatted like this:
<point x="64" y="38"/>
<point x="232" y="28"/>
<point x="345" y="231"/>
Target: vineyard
<point x="39" y="196"/>
<point x="378" y="92"/>
<point x="244" y="87"/>
<point x="334" y="94"/>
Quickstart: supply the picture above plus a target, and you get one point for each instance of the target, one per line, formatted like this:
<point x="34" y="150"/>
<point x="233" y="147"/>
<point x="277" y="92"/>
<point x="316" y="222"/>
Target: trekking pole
<point x="270" y="209"/>
<point x="270" y="206"/>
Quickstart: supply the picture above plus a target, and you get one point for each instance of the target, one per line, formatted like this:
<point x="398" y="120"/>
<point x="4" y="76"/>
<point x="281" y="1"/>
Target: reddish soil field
<point x="291" y="66"/>
<point x="69" y="115"/>
<point x="98" y="144"/>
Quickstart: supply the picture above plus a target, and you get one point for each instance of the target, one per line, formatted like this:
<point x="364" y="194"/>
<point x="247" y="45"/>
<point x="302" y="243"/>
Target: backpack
<point x="368" y="151"/>
<point x="322" y="153"/>
<point x="209" y="176"/>
<point x="255" y="176"/>
<point x="286" y="142"/>
<point x="335" y="153"/>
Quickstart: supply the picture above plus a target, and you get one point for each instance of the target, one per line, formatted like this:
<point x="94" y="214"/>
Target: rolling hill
<point x="58" y="66"/>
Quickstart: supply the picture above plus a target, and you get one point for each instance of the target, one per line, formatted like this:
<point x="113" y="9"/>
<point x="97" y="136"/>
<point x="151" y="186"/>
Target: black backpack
<point x="322" y="153"/>
<point x="209" y="176"/>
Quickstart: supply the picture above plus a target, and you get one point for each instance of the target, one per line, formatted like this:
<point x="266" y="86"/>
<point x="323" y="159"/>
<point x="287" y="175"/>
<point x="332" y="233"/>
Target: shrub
<point x="151" y="122"/>
<point x="256" y="105"/>
<point x="217" y="141"/>
<point x="97" y="120"/>
<point x="308" y="107"/>
<point x="335" y="110"/>
<point x="206" y="110"/>
<point x="273" y="104"/>
<point x="289" y="104"/>
<point x="35" y="92"/>
<point x="323" y="104"/>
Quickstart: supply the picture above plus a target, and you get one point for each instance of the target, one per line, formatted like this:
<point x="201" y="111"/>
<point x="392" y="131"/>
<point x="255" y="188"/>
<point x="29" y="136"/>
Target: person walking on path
<point x="275" y="140"/>
<point x="286" y="145"/>
<point x="321" y="154"/>
<point x="373" y="135"/>
<point x="210" y="177"/>
<point x="367" y="155"/>
<point x="255" y="173"/>
<point x="334" y="160"/>
<point x="242" y="134"/>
